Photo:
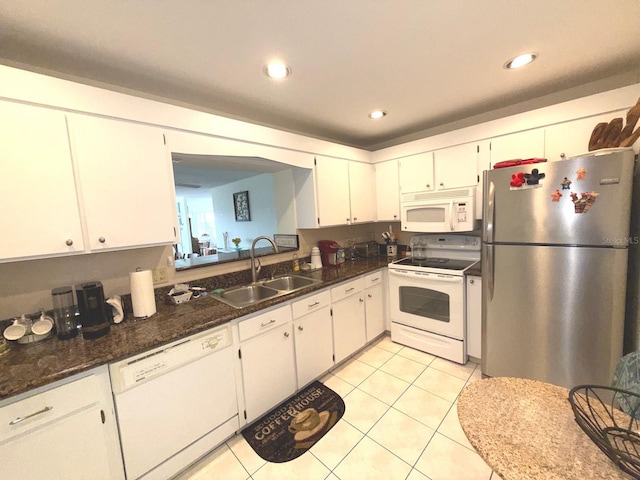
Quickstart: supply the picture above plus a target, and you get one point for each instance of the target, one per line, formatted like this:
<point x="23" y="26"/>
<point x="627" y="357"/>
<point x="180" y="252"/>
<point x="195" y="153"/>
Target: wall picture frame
<point x="241" y="206"/>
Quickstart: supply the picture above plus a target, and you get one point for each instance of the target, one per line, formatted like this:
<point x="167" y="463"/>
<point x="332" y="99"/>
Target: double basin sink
<point x="247" y="295"/>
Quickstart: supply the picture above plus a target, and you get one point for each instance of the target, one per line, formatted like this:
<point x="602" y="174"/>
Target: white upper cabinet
<point x="332" y="187"/>
<point x="345" y="192"/>
<point x="39" y="215"/>
<point x="416" y="173"/>
<point x="127" y="183"/>
<point x="448" y="168"/>
<point x="362" y="194"/>
<point x="456" y="167"/>
<point x="572" y="138"/>
<point x="520" y="145"/>
<point x="387" y="191"/>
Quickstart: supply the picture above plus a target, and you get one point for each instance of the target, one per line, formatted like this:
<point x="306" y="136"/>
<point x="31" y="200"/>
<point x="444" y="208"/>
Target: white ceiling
<point x="427" y="62"/>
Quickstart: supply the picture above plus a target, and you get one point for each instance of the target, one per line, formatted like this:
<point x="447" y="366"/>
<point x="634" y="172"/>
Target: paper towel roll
<point x="143" y="298"/>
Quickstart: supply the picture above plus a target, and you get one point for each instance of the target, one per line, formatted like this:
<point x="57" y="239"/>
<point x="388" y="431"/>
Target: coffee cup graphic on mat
<point x="306" y="420"/>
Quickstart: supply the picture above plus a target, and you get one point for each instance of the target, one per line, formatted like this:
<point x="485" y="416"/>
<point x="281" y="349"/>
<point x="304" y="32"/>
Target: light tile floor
<point x="401" y="423"/>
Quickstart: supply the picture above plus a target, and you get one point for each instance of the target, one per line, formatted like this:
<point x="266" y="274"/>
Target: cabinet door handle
<point x="355" y="219"/>
<point x="102" y="239"/>
<point x="369" y="295"/>
<point x="311" y="305"/>
<point x="300" y="327"/>
<point x="361" y="300"/>
<point x="286" y="334"/>
<point x="441" y="184"/>
<point x="22" y="419"/>
<point x="268" y="323"/>
<point x="428" y="185"/>
<point x="349" y="289"/>
<point x="471" y="281"/>
<point x="69" y="242"/>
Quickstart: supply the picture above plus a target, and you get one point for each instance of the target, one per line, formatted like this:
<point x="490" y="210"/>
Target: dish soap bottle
<point x="296" y="263"/>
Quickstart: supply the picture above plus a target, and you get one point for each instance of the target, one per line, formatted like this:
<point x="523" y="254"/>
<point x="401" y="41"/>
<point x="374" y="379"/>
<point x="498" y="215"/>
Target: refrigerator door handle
<point x="491" y="264"/>
<point x="491" y="210"/>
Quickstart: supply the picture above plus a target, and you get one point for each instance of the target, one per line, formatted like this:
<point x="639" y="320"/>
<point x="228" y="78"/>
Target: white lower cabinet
<point x="349" y="331"/>
<point x="67" y="432"/>
<point x="313" y="335"/>
<point x="267" y="360"/>
<point x="374" y="306"/>
<point x="474" y="316"/>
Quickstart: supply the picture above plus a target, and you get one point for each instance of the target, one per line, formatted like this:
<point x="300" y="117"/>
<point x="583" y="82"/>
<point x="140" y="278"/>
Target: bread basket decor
<point x="611" y="418"/>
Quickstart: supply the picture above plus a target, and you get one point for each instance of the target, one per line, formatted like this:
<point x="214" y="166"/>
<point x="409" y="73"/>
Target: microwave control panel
<point x="461" y="212"/>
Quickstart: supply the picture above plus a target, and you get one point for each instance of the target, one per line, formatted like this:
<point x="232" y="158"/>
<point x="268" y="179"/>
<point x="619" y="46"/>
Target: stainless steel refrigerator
<point x="554" y="268"/>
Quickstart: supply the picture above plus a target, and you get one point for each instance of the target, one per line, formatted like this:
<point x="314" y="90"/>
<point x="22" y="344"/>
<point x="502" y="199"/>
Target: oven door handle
<point x="434" y="277"/>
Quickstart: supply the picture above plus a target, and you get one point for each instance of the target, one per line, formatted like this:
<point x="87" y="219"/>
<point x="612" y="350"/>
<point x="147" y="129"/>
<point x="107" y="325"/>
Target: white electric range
<point x="427" y="294"/>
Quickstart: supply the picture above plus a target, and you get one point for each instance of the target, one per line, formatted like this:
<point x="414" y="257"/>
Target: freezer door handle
<point x="491" y="210"/>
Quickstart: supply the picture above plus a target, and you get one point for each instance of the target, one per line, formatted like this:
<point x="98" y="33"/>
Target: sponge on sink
<point x="218" y="291"/>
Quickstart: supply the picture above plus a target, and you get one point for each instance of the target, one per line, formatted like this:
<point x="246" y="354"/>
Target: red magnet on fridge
<point x="555" y="196"/>
<point x="581" y="173"/>
<point x="517" y="179"/>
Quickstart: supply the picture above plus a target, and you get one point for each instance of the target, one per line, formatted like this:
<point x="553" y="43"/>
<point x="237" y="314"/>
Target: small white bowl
<point x="15" y="331"/>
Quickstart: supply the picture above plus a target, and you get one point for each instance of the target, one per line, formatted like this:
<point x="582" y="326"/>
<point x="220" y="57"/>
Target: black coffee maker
<point x="93" y="310"/>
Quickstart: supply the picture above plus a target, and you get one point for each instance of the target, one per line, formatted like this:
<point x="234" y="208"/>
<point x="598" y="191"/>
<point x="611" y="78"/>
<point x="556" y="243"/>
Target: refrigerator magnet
<point x="585" y="202"/>
<point x="566" y="184"/>
<point x="581" y="173"/>
<point x="517" y="180"/>
<point x="555" y="196"/>
<point x="534" y="177"/>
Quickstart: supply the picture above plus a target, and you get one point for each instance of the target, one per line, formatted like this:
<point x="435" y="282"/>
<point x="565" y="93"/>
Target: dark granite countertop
<point x="30" y="366"/>
<point x="475" y="270"/>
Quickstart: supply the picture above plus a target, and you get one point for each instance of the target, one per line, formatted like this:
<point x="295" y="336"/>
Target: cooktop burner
<point x="444" y="263"/>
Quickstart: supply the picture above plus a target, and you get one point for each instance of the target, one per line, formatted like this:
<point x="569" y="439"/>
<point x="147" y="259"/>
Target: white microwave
<point x="438" y="212"/>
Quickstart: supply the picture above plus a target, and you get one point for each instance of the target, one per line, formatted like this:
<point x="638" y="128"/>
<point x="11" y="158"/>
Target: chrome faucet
<point x="256" y="270"/>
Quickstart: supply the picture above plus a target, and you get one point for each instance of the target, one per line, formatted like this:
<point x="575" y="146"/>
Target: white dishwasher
<point x="175" y="403"/>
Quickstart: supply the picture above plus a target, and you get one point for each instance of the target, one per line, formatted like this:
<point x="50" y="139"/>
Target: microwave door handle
<point x="451" y="224"/>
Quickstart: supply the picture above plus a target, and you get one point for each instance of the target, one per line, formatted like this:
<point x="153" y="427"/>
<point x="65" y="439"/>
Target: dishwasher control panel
<point x="145" y="366"/>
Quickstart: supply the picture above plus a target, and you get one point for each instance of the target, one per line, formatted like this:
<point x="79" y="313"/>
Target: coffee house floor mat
<point x="290" y="429"/>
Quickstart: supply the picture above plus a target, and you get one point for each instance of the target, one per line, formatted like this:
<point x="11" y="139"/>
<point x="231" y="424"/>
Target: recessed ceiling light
<point x="377" y="114"/>
<point x="521" y="60"/>
<point x="277" y="70"/>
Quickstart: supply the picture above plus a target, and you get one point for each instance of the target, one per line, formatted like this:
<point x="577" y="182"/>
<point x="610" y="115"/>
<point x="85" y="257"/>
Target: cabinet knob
<point x="286" y="334"/>
<point x="300" y="327"/>
<point x="428" y="185"/>
<point x="102" y="239"/>
<point x="395" y="216"/>
<point x="472" y="281"/>
<point x="69" y="242"/>
<point x="369" y="295"/>
<point x="361" y="300"/>
<point x="441" y="184"/>
<point x="355" y="219"/>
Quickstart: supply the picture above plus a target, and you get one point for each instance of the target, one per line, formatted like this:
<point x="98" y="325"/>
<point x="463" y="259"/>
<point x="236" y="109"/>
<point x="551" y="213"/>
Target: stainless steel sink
<point x="248" y="295"/>
<point x="239" y="297"/>
<point x="290" y="283"/>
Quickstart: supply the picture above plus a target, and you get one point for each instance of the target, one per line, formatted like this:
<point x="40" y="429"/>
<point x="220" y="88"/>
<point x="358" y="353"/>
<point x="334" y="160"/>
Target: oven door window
<point x="425" y="303"/>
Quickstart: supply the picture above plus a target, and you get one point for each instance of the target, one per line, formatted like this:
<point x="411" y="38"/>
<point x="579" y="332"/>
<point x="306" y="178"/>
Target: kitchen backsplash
<point x="25" y="287"/>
